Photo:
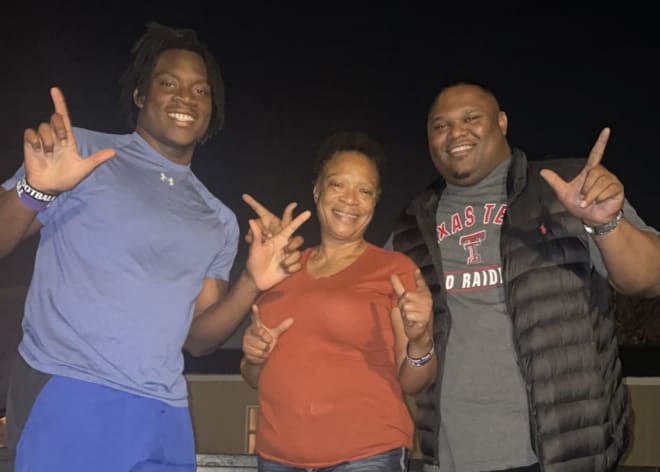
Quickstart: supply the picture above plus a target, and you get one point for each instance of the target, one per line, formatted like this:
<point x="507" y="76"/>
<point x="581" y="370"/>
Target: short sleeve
<point x="221" y="266"/>
<point x="10" y="183"/>
<point x="630" y="214"/>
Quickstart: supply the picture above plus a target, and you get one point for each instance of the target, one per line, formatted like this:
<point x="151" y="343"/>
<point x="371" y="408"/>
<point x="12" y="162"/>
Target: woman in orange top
<point x="333" y="348"/>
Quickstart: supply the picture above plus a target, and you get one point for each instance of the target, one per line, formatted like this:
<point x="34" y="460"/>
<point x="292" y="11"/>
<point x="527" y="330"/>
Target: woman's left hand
<point x="415" y="308"/>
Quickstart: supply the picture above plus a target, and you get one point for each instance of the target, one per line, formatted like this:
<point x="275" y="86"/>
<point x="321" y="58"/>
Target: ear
<point x="503" y="122"/>
<point x="315" y="192"/>
<point x="138" y="99"/>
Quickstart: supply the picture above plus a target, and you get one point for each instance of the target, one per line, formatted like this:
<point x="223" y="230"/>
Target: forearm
<point x="15" y="221"/>
<point x="251" y="372"/>
<point x="632" y="259"/>
<point x="214" y="325"/>
<point x="414" y="379"/>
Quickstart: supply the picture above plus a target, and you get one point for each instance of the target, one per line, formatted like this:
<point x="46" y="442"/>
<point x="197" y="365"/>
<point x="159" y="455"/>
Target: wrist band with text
<point x="420" y="361"/>
<point x="33" y="198"/>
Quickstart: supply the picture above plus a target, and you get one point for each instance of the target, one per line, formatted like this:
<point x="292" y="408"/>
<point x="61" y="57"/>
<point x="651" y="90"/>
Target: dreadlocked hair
<point x="146" y="51"/>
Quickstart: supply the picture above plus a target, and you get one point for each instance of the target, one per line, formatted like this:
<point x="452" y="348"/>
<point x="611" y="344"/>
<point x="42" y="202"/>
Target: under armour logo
<point x="164" y="178"/>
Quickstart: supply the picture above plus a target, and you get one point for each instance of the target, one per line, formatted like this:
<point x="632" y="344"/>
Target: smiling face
<point x="176" y="110"/>
<point x="346" y="193"/>
<point x="466" y="134"/>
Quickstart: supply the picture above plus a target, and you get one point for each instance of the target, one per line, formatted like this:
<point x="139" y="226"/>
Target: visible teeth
<point x="180" y="116"/>
<point x="345" y="215"/>
<point x="465" y="147"/>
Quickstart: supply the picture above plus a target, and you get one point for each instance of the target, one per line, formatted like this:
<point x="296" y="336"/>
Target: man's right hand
<point x="52" y="161"/>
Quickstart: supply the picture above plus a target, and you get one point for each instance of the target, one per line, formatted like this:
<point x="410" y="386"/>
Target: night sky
<point x="293" y="77"/>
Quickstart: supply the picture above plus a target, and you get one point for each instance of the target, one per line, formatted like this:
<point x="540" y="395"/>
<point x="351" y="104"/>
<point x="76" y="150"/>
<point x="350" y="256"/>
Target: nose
<point x="457" y="130"/>
<point x="350" y="196"/>
<point x="184" y="94"/>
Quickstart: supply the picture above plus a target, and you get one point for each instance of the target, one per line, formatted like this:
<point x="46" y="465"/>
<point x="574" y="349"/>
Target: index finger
<point x="399" y="289"/>
<point x="60" y="108"/>
<point x="289" y="229"/>
<point x="258" y="208"/>
<point x="420" y="281"/>
<point x="598" y="149"/>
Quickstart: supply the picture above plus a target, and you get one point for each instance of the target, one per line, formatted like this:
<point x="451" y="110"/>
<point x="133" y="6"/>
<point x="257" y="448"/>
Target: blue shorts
<point x="78" y="426"/>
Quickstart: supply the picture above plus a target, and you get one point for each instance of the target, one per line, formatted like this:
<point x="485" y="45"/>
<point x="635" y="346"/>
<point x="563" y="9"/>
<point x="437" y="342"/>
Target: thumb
<point x="99" y="157"/>
<point x="255" y="315"/>
<point x="552" y="178"/>
<point x="283" y="327"/>
<point x="289" y="229"/>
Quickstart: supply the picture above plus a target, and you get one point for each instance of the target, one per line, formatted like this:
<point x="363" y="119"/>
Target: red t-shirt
<point x="329" y="391"/>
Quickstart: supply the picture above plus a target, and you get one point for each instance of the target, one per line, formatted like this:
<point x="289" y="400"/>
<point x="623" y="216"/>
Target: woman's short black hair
<point x="342" y="141"/>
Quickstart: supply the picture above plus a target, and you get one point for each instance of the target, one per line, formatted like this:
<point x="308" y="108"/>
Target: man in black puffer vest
<point x="519" y="255"/>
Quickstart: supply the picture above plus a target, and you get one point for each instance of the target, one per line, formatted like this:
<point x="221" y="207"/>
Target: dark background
<point x="295" y="75"/>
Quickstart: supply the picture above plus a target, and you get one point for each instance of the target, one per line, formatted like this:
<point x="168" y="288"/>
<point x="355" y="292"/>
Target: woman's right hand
<point x="260" y="340"/>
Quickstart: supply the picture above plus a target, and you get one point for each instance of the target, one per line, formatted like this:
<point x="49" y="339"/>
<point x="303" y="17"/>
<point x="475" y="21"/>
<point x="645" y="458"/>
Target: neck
<point x="328" y="259"/>
<point x="181" y="155"/>
<point x="332" y="251"/>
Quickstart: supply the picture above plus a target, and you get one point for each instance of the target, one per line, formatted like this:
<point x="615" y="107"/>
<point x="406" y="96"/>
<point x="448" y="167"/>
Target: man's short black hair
<point x="146" y="51"/>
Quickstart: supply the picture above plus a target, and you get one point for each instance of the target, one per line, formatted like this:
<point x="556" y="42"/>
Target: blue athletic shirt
<point x="120" y="263"/>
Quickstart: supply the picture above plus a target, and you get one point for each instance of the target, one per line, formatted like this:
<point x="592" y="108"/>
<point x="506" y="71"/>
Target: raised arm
<point x="52" y="165"/>
<point x="271" y="224"/>
<point x="595" y="196"/>
<point x="268" y="263"/>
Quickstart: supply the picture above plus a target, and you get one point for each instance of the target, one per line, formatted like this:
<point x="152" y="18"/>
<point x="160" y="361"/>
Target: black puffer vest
<point x="563" y="332"/>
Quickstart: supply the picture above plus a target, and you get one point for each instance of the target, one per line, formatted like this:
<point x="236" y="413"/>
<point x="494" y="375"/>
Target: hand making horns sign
<point x="595" y="195"/>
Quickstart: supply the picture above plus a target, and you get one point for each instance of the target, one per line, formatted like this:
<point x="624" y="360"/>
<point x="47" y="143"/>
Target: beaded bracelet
<point x="420" y="361"/>
<point x="32" y="197"/>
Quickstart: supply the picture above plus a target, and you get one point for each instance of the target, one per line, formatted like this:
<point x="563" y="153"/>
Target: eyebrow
<point x="177" y="76"/>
